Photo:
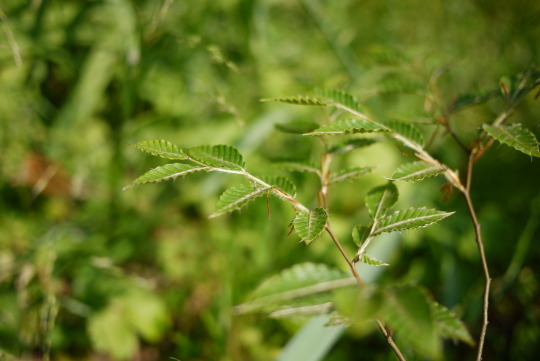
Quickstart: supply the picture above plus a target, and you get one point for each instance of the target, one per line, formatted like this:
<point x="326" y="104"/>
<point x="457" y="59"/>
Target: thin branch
<point x="390" y="341"/>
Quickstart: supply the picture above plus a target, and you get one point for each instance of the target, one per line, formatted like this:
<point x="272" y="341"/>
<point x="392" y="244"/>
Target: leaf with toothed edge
<point x="416" y="171"/>
<point x="167" y="172"/>
<point x="515" y="136"/>
<point x="220" y="156"/>
<point x="349" y="126"/>
<point x="364" y="258"/>
<point x="407" y="134"/>
<point x="161" y="148"/>
<point x="348" y="174"/>
<point x="309" y="225"/>
<point x="448" y="325"/>
<point x="284" y="184"/>
<point x="237" y="197"/>
<point x="360" y="234"/>
<point x="410" y="218"/>
<point x="298" y="100"/>
<point x="380" y="199"/>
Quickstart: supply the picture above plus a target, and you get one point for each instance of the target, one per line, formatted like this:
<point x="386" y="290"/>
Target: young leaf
<point x="380" y="199"/>
<point x="350" y="145"/>
<point x="285" y="184"/>
<point x="220" y="156"/>
<point x="448" y="324"/>
<point x="298" y="100"/>
<point x="161" y="148"/>
<point x="411" y="218"/>
<point x="416" y="171"/>
<point x="297" y="127"/>
<point x="360" y="234"/>
<point x="515" y="136"/>
<point x="364" y="258"/>
<point x="309" y="225"/>
<point x="408" y="134"/>
<point x="349" y="174"/>
<point x="237" y="197"/>
<point x="166" y="172"/>
<point x="349" y="126"/>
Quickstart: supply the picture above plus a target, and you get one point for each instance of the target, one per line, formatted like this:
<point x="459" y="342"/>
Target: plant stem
<point x="480" y="244"/>
<point x="390" y="341"/>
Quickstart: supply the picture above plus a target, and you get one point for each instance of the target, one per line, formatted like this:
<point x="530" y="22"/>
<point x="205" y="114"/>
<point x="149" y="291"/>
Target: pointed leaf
<point x="448" y="324"/>
<point x="309" y="225"/>
<point x="515" y="136"/>
<point x="360" y="234"/>
<point x="166" y="172"/>
<point x="298" y="100"/>
<point x="380" y="199"/>
<point x="407" y="134"/>
<point x="237" y="197"/>
<point x="220" y="156"/>
<point x="297" y="127"/>
<point x="285" y="184"/>
<point x="349" y="126"/>
<point x="161" y="148"/>
<point x="518" y="86"/>
<point x="416" y="171"/>
<point x="364" y="258"/>
<point x="350" y="145"/>
<point x="349" y="174"/>
<point x="465" y="100"/>
<point x="411" y="218"/>
<point x="298" y="166"/>
<point x="338" y="98"/>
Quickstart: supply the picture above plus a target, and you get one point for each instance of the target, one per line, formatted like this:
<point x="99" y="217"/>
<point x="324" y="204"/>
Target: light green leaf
<point x="380" y="199"/>
<point x="448" y="325"/>
<point x="309" y="225"/>
<point x="298" y="166"/>
<point x="298" y="100"/>
<point x="349" y="174"/>
<point x="407" y="134"/>
<point x="338" y="98"/>
<point x="285" y="184"/>
<point x="166" y="172"/>
<point x="360" y="234"/>
<point x="416" y="171"/>
<point x="364" y="258"/>
<point x="297" y="127"/>
<point x="411" y="218"/>
<point x="349" y="126"/>
<point x="220" y="156"/>
<point x="515" y="136"/>
<point x="350" y="145"/>
<point x="237" y="197"/>
<point x="161" y="148"/>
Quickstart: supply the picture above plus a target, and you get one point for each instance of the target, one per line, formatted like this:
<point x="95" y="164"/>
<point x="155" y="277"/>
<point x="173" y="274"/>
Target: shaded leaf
<point x="338" y="97"/>
<point x="349" y="174"/>
<point x="360" y="234"/>
<point x="407" y="134"/>
<point x="166" y="172"/>
<point x="364" y="258"/>
<point x="309" y="225"/>
<point x="221" y="156"/>
<point x="161" y="148"/>
<point x="349" y="126"/>
<point x="297" y="127"/>
<point x="350" y="145"/>
<point x="285" y="184"/>
<point x="380" y="199"/>
<point x="409" y="219"/>
<point x="237" y="197"/>
<point x="416" y="171"/>
<point x="515" y="136"/>
<point x="465" y="100"/>
<point x="448" y="325"/>
<point x="298" y="166"/>
<point x="518" y="86"/>
<point x="298" y="100"/>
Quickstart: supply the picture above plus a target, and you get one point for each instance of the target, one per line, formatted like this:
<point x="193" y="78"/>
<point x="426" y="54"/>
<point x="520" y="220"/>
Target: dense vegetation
<point x="88" y="271"/>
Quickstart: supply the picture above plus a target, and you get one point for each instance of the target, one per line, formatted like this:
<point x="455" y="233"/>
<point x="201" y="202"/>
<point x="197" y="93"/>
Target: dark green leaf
<point x="515" y="136"/>
<point x="380" y="199"/>
<point x="448" y="324"/>
<point x="465" y="100"/>
<point x="360" y="234"/>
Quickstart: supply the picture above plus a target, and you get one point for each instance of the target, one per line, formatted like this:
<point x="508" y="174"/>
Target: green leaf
<point x="349" y="174"/>
<point x="350" y="145"/>
<point x="410" y="218"/>
<point x="364" y="258"/>
<point x="349" y="126"/>
<point x="166" y="172"/>
<point x="360" y="234"/>
<point x="237" y="197"/>
<point x="220" y="156"/>
<point x="297" y="127"/>
<point x="309" y="225"/>
<point x="338" y="98"/>
<point x="298" y="100"/>
<point x="380" y="199"/>
<point x="298" y="166"/>
<point x="285" y="184"/>
<point x="399" y="86"/>
<point x="407" y="134"/>
<point x="416" y="171"/>
<point x="161" y="148"/>
<point x="519" y="85"/>
<point x="448" y="324"/>
<point x="465" y="100"/>
<point x="515" y="136"/>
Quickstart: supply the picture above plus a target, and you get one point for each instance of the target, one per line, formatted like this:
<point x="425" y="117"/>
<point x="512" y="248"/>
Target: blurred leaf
<point x="380" y="199"/>
<point x="221" y="156"/>
<point x="360" y="234"/>
<point x="237" y="197"/>
<point x="416" y="171"/>
<point x="515" y="136"/>
<point x="465" y="100"/>
<point x="309" y="225"/>
<point x="285" y="184"/>
<point x="410" y="132"/>
<point x="161" y="148"/>
<point x="348" y="174"/>
<point x="298" y="166"/>
<point x="364" y="258"/>
<point x="298" y="100"/>
<point x="167" y="172"/>
<point x="448" y="324"/>
<point x="338" y="97"/>
<point x="519" y="85"/>
<point x="147" y="314"/>
<point x="349" y="126"/>
<point x="297" y="127"/>
<point x="410" y="218"/>
<point x="350" y="145"/>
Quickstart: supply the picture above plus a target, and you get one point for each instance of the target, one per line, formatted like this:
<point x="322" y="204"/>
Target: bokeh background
<point x="91" y="272"/>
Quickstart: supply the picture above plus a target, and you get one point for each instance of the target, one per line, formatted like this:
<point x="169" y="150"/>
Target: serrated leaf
<point x="349" y="126"/>
<point x="410" y="218"/>
<point x="298" y="100"/>
<point x="364" y="258"/>
<point x="407" y="134"/>
<point x="298" y="166"/>
<point x="360" y="234"/>
<point x="338" y="97"/>
<point x="285" y="184"/>
<point x="309" y="225"/>
<point x="448" y="325"/>
<point x="220" y="156"/>
<point x="465" y="100"/>
<point x="380" y="199"/>
<point x="297" y="127"/>
<point x="166" y="172"/>
<point x="515" y="136"/>
<point x="416" y="171"/>
<point x="350" y="145"/>
<point x="237" y="197"/>
<point x="349" y="174"/>
<point x="161" y="148"/>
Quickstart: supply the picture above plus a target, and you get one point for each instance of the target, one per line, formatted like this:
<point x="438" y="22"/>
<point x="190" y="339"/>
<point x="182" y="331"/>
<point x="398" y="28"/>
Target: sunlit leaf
<point x="220" y="156"/>
<point x="237" y="197"/>
<point x="380" y="199"/>
<point x="416" y="171"/>
<point x="407" y="134"/>
<point x="364" y="258"/>
<point x="309" y="225"/>
<point x="349" y="126"/>
<point x="448" y="325"/>
<point x="338" y="97"/>
<point x="348" y="174"/>
<point x="285" y="184"/>
<point x="360" y="234"/>
<point x="161" y="148"/>
<point x="167" y="172"/>
<point x="298" y="166"/>
<point x="515" y="136"/>
<point x="409" y="219"/>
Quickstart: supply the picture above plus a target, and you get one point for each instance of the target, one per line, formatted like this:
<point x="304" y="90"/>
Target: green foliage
<point x="237" y="197"/>
<point x="349" y="174"/>
<point x="167" y="172"/>
<point x="161" y="148"/>
<point x="219" y="156"/>
<point x="416" y="171"/>
<point x="349" y="126"/>
<point x="410" y="218"/>
<point x="515" y="136"/>
<point x="310" y="224"/>
<point x="364" y="258"/>
<point x="380" y="199"/>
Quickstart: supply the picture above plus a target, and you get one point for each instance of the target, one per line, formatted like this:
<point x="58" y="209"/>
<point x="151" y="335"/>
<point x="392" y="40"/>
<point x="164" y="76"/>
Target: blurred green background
<point x="91" y="272"/>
